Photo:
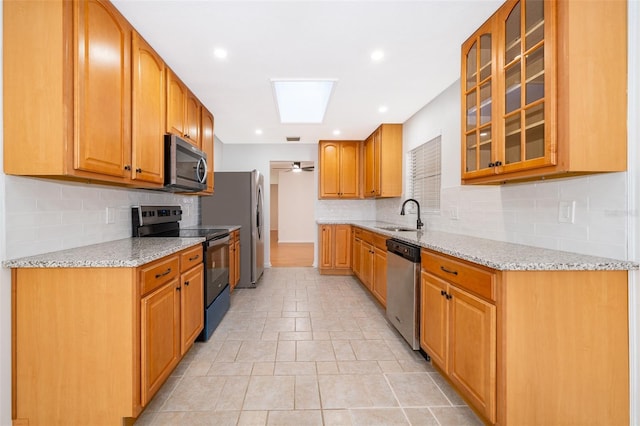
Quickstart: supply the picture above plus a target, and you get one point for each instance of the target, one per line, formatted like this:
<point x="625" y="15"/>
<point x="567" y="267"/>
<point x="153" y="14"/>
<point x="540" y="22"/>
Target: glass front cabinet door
<point x="478" y="107"/>
<point x="527" y="82"/>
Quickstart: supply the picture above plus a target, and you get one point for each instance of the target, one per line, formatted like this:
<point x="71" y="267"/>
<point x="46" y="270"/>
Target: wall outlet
<point x="453" y="213"/>
<point x="111" y="215"/>
<point x="567" y="212"/>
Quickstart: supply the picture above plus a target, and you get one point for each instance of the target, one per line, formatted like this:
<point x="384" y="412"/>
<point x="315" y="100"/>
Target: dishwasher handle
<point x="405" y="250"/>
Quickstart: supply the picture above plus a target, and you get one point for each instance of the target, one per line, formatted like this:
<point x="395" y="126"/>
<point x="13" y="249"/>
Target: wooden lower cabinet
<point x="93" y="345"/>
<point x="370" y="262"/>
<point x="529" y="347"/>
<point x="335" y="249"/>
<point x="234" y="259"/>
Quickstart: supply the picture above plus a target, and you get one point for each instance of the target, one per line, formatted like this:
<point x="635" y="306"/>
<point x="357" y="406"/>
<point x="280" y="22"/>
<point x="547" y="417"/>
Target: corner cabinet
<point x="383" y="162"/>
<point x="528" y="88"/>
<point x="335" y="249"/>
<point x="339" y="169"/>
<point x="116" y="331"/>
<point x="517" y="344"/>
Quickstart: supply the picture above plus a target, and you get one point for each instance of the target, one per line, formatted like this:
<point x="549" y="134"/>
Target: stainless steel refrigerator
<point x="237" y="200"/>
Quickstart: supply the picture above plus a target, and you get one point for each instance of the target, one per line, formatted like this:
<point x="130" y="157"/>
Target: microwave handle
<point x="201" y="170"/>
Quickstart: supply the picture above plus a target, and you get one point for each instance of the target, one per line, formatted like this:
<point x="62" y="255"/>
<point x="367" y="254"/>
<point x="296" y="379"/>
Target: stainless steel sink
<point x="396" y="228"/>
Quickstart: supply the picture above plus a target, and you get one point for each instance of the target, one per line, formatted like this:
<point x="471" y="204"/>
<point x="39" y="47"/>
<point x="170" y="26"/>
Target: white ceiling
<point x="309" y="40"/>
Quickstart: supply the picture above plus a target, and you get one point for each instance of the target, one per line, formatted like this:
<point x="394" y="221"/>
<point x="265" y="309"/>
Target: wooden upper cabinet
<point x="526" y="118"/>
<point x="383" y="162"/>
<point x="148" y="119"/>
<point x="206" y="134"/>
<point x="183" y="110"/>
<point x="479" y="152"/>
<point x="102" y="142"/>
<point x="339" y="169"/>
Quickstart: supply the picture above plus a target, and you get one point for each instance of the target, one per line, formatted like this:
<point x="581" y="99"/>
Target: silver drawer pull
<point x="164" y="273"/>
<point x="448" y="271"/>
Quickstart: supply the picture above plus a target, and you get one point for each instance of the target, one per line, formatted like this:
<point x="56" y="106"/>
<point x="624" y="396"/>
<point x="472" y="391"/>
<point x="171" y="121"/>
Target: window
<point x="424" y="175"/>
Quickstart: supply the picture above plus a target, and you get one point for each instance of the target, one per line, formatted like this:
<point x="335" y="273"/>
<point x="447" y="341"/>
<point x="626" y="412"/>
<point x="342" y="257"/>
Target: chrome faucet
<point x="419" y="223"/>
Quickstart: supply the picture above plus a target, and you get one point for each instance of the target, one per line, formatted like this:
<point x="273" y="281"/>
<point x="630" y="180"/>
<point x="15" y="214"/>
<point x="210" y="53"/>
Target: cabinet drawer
<point x="366" y="236"/>
<point x="476" y="279"/>
<point x="159" y="272"/>
<point x="190" y="258"/>
<point x="380" y="241"/>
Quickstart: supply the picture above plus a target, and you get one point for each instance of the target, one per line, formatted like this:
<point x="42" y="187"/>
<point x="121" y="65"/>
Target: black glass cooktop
<point x="208" y="233"/>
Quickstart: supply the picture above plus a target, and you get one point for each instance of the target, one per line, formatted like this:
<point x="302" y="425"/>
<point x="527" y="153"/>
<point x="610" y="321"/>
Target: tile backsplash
<point x="46" y="215"/>
<point x="528" y="213"/>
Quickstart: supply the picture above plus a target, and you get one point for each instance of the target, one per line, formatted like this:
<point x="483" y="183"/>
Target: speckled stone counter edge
<point x="499" y="255"/>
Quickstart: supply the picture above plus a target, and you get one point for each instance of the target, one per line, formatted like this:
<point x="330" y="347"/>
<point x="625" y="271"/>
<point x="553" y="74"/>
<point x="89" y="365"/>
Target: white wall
<point x="296" y="217"/>
<point x="244" y="157"/>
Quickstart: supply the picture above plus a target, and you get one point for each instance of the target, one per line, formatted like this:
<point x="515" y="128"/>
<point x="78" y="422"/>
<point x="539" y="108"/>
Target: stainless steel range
<point x="163" y="221"/>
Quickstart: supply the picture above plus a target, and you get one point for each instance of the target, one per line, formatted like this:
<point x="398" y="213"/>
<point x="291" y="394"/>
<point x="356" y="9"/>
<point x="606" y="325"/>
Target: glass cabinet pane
<point x="471" y="152"/>
<point x="512" y="88"/>
<point x="485" y="56"/>
<point x="534" y="22"/>
<point x="513" y="150"/>
<point x="512" y="35"/>
<point x="472" y="110"/>
<point x="485" y="103"/>
<point x="534" y="70"/>
<point x="534" y="135"/>
<point x="485" y="147"/>
<point x="472" y="67"/>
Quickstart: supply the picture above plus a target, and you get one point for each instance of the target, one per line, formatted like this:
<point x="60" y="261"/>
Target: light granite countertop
<point x="126" y="253"/>
<point x="498" y="255"/>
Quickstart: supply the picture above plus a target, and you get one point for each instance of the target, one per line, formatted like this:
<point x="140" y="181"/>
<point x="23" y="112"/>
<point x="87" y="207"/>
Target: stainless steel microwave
<point x="185" y="166"/>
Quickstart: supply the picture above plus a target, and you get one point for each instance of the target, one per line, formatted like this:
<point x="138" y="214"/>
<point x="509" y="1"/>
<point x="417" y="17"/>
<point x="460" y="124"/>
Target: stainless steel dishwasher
<point x="403" y="289"/>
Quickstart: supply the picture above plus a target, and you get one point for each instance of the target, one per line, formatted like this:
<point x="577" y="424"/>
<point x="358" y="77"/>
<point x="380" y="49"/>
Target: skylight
<point x="302" y="101"/>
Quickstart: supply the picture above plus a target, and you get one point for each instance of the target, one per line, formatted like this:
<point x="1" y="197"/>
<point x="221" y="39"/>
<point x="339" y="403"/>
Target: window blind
<point x="424" y="175"/>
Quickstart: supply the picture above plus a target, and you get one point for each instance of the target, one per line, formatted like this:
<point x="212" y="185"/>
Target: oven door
<point x="216" y="267"/>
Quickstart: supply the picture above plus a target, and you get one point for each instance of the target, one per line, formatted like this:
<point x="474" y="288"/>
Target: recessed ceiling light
<point x="219" y="53"/>
<point x="336" y="132"/>
<point x="377" y="55"/>
<point x="258" y="131"/>
<point x="302" y="101"/>
<point x="383" y="109"/>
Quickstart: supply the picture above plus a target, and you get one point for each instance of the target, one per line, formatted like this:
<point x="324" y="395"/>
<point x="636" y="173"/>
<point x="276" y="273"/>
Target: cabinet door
<point x="329" y="170"/>
<point x="160" y="337"/>
<point x="369" y="189"/>
<point x="102" y="141"/>
<point x="237" y="260"/>
<point x="527" y="80"/>
<point x="176" y="104"/>
<point x="472" y="349"/>
<point x="434" y="318"/>
<point x="191" y="306"/>
<point x="326" y="245"/>
<point x="342" y="246"/>
<point x="379" y="286"/>
<point x="148" y="119"/>
<point x="479" y="93"/>
<point x="192" y="119"/>
<point x="349" y="169"/>
<point x="355" y="257"/>
<point x="207" y="145"/>
<point x="366" y="264"/>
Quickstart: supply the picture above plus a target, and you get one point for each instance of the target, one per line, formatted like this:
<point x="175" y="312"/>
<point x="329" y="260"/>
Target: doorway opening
<point x="292" y="213"/>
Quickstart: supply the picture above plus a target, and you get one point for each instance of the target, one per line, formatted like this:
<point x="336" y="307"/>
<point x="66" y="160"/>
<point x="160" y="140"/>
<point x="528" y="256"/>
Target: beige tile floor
<point x="305" y="349"/>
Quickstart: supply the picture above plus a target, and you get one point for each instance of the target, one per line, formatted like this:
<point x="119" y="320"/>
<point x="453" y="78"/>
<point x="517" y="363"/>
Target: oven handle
<point x="218" y="242"/>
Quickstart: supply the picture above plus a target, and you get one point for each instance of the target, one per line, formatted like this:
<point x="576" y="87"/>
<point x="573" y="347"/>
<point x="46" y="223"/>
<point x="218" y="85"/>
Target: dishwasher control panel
<point x="401" y="248"/>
